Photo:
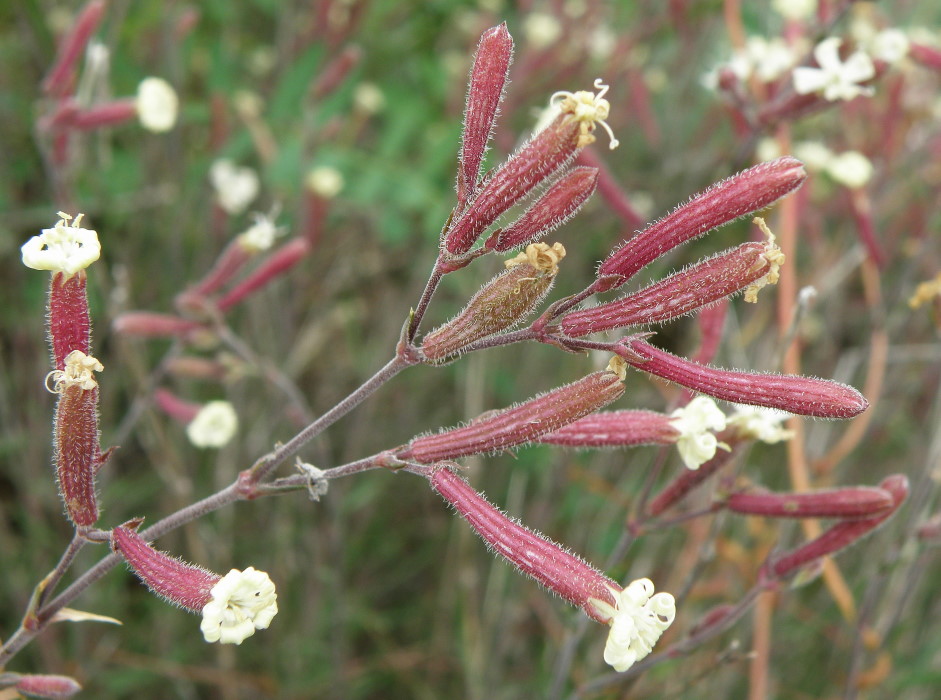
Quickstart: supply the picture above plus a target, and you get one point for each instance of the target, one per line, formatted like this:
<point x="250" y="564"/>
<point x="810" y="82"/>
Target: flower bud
<point x="276" y="264"/>
<point x="698" y="285"/>
<point x="847" y="503"/>
<point x="744" y="193"/>
<point x="502" y="303"/>
<point x="47" y="686"/>
<point x="488" y="78"/>
<point x="520" y="424"/>
<point x="61" y="77"/>
<point x="149" y="324"/>
<point x="548" y="151"/>
<point x="806" y="396"/>
<point x="842" y="534"/>
<point x="554" y="208"/>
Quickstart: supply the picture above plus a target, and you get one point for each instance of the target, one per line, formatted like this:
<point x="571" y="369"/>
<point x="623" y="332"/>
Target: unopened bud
<point x="695" y="287"/>
<point x="847" y="503"/>
<point x="520" y="424"/>
<point x="554" y="208"/>
<point x="842" y="534"/>
<point x="488" y="78"/>
<point x="149" y="324"/>
<point x="62" y="75"/>
<point x="275" y="265"/>
<point x="548" y="151"/>
<point x="502" y="303"/>
<point x="47" y="686"/>
<point x="747" y="192"/>
<point x="806" y="396"/>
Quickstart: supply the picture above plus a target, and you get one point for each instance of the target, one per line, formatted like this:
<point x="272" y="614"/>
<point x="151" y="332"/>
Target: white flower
<point x="637" y="622"/>
<point x="214" y="425"/>
<point x="795" y="9"/>
<point x="65" y="248"/>
<point x="325" y="181"/>
<point x="770" y="58"/>
<point x="157" y="104"/>
<point x="260" y="236"/>
<point x="767" y="149"/>
<point x="541" y="29"/>
<point x="851" y="169"/>
<point x="813" y="154"/>
<point x="79" y="369"/>
<point x="889" y="45"/>
<point x="694" y="422"/>
<point x="368" y="98"/>
<point x="242" y="602"/>
<point x="836" y="79"/>
<point x="235" y="187"/>
<point x="758" y="423"/>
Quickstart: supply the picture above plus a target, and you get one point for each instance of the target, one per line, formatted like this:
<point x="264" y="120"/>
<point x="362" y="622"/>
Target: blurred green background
<point x="383" y="592"/>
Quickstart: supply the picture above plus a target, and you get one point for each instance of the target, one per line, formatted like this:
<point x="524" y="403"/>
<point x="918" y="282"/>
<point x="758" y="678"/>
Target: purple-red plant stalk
<point x="806" y="396"/>
<point x="103" y="115"/>
<point x="179" y="409"/>
<point x="548" y="563"/>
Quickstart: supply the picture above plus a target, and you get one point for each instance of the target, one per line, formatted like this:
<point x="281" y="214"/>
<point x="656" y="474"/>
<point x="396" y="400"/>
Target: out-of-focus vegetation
<point x="383" y="592"/>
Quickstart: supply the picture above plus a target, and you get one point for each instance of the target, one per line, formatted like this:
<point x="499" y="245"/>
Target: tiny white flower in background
<point x="770" y="58"/>
<point x="835" y="78"/>
<point x="214" y="425"/>
<point x="236" y="187"/>
<point x="758" y="423"/>
<point x="851" y="169"/>
<point x="767" y="149"/>
<point x="601" y="42"/>
<point x="813" y="154"/>
<point x="65" y="248"/>
<point x="637" y="622"/>
<point x="368" y="98"/>
<point x="242" y="601"/>
<point x="889" y="45"/>
<point x="695" y="422"/>
<point x="541" y="30"/>
<point x="261" y="235"/>
<point x="325" y="181"/>
<point x="795" y="9"/>
<point x="157" y="104"/>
